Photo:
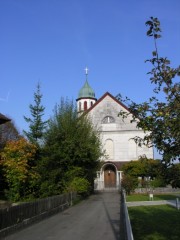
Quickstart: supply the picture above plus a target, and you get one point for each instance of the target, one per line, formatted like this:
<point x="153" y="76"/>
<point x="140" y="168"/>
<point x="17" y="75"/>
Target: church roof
<point x="111" y="96"/>
<point x="86" y="91"/>
<point x="3" y="119"/>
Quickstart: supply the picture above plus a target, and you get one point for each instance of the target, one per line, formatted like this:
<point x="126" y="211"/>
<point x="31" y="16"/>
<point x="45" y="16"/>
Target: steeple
<point x="86" y="91"/>
<point x="86" y="97"/>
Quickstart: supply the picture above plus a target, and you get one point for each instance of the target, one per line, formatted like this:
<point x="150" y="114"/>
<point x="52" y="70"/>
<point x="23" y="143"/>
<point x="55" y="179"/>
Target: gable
<point x="107" y="94"/>
<point x="104" y="114"/>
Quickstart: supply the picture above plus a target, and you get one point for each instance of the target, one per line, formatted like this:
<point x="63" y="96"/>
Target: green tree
<point x="160" y="119"/>
<point x="142" y="167"/>
<point x="146" y="169"/>
<point x="36" y="125"/>
<point x="69" y="142"/>
<point x="172" y="175"/>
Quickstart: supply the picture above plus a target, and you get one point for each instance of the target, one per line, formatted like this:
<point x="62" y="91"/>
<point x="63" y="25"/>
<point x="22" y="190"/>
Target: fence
<point x="17" y="216"/>
<point x="127" y="224"/>
<point x="128" y="228"/>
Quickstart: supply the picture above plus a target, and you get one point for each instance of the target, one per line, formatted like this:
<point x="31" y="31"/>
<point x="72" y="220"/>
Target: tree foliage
<point x="172" y="175"/>
<point x="153" y="173"/>
<point x="149" y="172"/>
<point x="143" y="167"/>
<point x="160" y="119"/>
<point x="36" y="125"/>
<point x="80" y="185"/>
<point x="8" y="131"/>
<point x="76" y="182"/>
<point x="19" y="169"/>
<point x="69" y="142"/>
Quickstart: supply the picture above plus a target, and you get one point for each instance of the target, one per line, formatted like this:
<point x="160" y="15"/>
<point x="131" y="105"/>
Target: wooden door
<point x="109" y="178"/>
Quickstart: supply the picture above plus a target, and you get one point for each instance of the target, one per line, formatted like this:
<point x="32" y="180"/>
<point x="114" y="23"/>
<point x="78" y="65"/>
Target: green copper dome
<point x="86" y="91"/>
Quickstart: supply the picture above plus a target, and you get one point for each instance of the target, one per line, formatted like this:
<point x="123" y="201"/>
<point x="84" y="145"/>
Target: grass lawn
<point x="145" y="197"/>
<point x="155" y="222"/>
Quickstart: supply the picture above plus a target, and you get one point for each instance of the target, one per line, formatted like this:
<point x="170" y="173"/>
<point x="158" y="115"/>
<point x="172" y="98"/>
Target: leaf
<point x="149" y="23"/>
<point x="158" y="36"/>
<point x="154" y="53"/>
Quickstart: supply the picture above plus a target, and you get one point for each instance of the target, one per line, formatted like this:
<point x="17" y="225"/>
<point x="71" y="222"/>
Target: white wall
<point x="120" y="132"/>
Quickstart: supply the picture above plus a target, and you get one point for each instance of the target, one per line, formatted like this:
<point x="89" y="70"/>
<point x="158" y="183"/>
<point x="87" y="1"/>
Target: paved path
<point x="94" y="219"/>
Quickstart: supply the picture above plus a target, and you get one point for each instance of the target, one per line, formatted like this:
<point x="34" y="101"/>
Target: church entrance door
<point x="109" y="176"/>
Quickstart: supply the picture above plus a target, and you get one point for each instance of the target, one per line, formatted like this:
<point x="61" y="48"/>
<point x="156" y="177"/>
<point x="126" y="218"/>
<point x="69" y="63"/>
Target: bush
<point x="80" y="185"/>
<point x="129" y="183"/>
<point x="158" y="182"/>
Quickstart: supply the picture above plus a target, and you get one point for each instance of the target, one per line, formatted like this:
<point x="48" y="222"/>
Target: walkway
<point x="94" y="219"/>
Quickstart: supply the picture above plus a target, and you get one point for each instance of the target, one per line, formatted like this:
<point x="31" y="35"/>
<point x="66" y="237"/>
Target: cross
<point x="86" y="70"/>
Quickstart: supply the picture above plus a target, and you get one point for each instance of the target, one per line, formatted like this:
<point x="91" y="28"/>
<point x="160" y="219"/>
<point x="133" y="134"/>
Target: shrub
<point x="80" y="185"/>
<point x="158" y="182"/>
<point x="129" y="183"/>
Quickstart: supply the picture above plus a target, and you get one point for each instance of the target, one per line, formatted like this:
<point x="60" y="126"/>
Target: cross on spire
<point x="86" y="71"/>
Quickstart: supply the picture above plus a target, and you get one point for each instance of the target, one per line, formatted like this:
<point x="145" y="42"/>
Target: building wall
<point x="117" y="133"/>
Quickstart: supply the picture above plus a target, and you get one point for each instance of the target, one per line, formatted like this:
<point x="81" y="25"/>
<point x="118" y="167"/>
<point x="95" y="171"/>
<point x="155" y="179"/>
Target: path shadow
<point x="114" y="222"/>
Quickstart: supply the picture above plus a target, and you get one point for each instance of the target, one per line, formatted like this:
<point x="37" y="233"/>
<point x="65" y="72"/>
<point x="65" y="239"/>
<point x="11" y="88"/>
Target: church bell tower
<point x="86" y="97"/>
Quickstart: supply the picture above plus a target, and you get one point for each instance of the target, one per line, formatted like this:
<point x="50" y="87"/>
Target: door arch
<point x="109" y="176"/>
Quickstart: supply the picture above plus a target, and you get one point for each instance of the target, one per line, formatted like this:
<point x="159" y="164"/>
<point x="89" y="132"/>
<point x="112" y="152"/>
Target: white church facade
<point x="116" y="135"/>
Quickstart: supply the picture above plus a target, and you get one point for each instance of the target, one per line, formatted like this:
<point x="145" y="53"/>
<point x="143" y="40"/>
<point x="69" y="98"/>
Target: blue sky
<point x="52" y="41"/>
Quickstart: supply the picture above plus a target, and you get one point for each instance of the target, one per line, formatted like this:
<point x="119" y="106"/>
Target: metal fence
<point x="34" y="210"/>
<point x="128" y="228"/>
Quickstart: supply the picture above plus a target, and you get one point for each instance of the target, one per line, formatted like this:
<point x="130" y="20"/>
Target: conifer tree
<point x="36" y="125"/>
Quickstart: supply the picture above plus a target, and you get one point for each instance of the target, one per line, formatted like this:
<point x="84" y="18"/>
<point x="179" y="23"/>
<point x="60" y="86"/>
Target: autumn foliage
<point x="17" y="160"/>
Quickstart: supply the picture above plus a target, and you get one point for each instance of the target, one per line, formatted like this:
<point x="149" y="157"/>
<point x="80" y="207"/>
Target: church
<point x="116" y="134"/>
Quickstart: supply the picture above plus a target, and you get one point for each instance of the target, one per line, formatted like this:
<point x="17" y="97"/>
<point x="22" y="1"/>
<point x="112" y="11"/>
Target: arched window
<point x="91" y="103"/>
<point x="85" y="105"/>
<point x="79" y="106"/>
<point x="109" y="147"/>
<point x="108" y="119"/>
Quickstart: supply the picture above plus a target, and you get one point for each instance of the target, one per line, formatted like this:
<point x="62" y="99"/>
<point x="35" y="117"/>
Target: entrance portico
<point x="108" y="178"/>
